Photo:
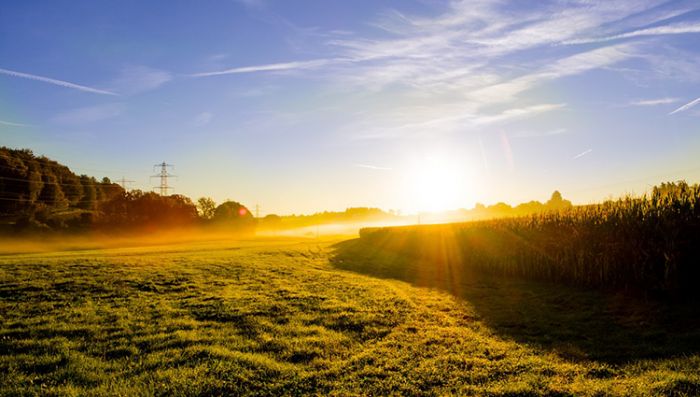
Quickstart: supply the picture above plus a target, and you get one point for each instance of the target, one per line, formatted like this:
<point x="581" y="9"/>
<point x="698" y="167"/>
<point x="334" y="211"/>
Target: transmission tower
<point x="257" y="211"/>
<point x="163" y="175"/>
<point x="123" y="182"/>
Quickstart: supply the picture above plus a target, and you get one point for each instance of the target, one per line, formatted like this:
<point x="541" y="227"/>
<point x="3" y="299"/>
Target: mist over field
<point x="350" y="198"/>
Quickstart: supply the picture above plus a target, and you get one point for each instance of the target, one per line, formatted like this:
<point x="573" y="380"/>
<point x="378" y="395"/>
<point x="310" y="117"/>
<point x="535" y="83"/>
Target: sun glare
<point x="438" y="184"/>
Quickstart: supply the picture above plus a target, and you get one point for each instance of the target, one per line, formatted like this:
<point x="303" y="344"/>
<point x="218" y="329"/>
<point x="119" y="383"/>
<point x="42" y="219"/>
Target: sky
<point x="303" y="106"/>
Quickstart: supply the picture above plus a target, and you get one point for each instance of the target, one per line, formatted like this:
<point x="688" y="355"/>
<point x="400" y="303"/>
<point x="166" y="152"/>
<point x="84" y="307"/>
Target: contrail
<point x="11" y="124"/>
<point x="656" y="31"/>
<point x="372" y="167"/>
<point x="686" y="106"/>
<point x="60" y="83"/>
<point x="582" y="154"/>
<point x="269" y="67"/>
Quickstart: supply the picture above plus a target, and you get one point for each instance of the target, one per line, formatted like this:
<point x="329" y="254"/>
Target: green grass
<point x="298" y="317"/>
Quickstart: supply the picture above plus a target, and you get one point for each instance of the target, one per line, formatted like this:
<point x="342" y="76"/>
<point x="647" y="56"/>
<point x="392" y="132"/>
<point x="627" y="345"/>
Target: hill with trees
<point x="38" y="194"/>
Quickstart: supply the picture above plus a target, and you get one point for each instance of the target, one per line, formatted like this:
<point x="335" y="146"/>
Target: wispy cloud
<point x="444" y="120"/>
<point x="569" y="66"/>
<point x="372" y="167"/>
<point x="452" y="68"/>
<point x="518" y="113"/>
<point x="89" y="114"/>
<point x="685" y="107"/>
<point x="670" y="63"/>
<point x="455" y="50"/>
<point x="683" y="28"/>
<point x="60" y="83"/>
<point x="578" y="156"/>
<point x="654" y="102"/>
<point x="449" y="47"/>
<point x="449" y="72"/>
<point x="11" y="124"/>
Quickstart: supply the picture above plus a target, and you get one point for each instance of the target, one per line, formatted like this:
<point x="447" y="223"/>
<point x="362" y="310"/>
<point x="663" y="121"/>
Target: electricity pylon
<point x="163" y="175"/>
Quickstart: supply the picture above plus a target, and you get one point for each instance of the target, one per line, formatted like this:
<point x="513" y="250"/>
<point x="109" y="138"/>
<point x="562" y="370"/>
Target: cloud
<point x="89" y="114"/>
<point x="670" y="63"/>
<point x="458" y="58"/>
<point x="655" y="31"/>
<point x="458" y="99"/>
<point x="60" y="83"/>
<point x="585" y="152"/>
<point x="442" y="120"/>
<point x="137" y="79"/>
<point x="459" y="49"/>
<point x="11" y="124"/>
<point x="448" y="71"/>
<point x="653" y="102"/>
<point x="445" y="50"/>
<point x="518" y="113"/>
<point x="475" y="33"/>
<point x="372" y="167"/>
<point x="686" y="106"/>
<point x="569" y="66"/>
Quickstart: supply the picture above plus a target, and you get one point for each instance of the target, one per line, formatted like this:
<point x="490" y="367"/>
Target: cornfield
<point x="648" y="244"/>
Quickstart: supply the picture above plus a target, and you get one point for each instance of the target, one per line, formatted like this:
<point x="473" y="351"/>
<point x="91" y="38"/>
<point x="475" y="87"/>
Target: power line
<point x="41" y="201"/>
<point x="53" y="183"/>
<point x="163" y="175"/>
<point x="123" y="182"/>
<point x="43" y="160"/>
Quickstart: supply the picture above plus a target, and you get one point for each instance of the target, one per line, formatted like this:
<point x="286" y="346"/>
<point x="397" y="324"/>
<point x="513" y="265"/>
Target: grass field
<point x="321" y="317"/>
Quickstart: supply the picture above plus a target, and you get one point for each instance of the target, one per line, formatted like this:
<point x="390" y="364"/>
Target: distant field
<point x="321" y="317"/>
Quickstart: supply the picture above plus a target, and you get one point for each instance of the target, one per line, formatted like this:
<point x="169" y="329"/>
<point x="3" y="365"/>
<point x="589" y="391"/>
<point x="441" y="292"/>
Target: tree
<point x="72" y="188"/>
<point x="271" y="221"/>
<point x="531" y="207"/>
<point x="206" y="207"/>
<point x="51" y="194"/>
<point x="556" y="202"/>
<point x="234" y="216"/>
<point x="499" y="209"/>
<point x="148" y="211"/>
<point x="89" y="199"/>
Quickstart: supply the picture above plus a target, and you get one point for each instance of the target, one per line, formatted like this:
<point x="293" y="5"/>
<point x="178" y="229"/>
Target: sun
<point x="437" y="184"/>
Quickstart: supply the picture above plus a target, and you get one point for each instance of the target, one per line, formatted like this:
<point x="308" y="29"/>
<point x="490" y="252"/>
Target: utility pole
<point x="257" y="211"/>
<point x="123" y="182"/>
<point x="163" y="175"/>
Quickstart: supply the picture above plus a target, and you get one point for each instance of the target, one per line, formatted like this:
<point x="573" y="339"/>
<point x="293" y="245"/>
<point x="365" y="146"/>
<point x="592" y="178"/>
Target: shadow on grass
<point x="575" y="324"/>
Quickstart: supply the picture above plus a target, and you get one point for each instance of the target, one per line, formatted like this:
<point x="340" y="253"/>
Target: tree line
<point x="39" y="194"/>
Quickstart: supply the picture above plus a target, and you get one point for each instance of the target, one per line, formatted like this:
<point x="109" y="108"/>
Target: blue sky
<point x="301" y="106"/>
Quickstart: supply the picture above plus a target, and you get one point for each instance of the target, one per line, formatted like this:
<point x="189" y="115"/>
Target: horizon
<point x="419" y="106"/>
